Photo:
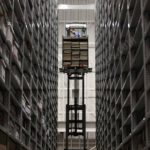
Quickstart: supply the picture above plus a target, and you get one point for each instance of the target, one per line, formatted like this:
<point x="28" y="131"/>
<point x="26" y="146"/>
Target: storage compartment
<point x="148" y="101"/>
<point x="138" y="88"/>
<point x="148" y="131"/>
<point x="127" y="130"/>
<point x="17" y="74"/>
<point x="2" y="70"/>
<point x="33" y="132"/>
<point x="148" y="76"/>
<point x="9" y="34"/>
<point x="147" y="17"/>
<point x="139" y="113"/>
<point x="25" y="139"/>
<point x="16" y="54"/>
<point x="39" y="139"/>
<point x="140" y="140"/>
<point x="33" y="118"/>
<point x="127" y="146"/>
<point x="147" y="49"/>
<point x="3" y="26"/>
<point x="126" y="112"/>
<point x="15" y="111"/>
<point x="119" y="139"/>
<point x="3" y="141"/>
<point x="13" y="145"/>
<point x="32" y="145"/>
<point x="118" y="124"/>
<point x="25" y="122"/>
<point x="26" y="107"/>
<point x="4" y="97"/>
<point x="6" y="54"/>
<point x="14" y="129"/>
<point x="3" y="118"/>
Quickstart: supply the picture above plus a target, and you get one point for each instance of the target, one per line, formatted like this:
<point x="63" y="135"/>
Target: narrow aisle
<point x="76" y="18"/>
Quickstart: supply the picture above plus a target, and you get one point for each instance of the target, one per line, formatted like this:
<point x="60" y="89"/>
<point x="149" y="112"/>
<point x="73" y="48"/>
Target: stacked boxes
<point x="28" y="74"/>
<point x="75" y="52"/>
<point x="123" y="74"/>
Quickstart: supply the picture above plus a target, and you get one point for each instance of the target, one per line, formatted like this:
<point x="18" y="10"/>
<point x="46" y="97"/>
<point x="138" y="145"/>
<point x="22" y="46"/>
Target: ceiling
<point x="75" y="2"/>
<point x="76" y="11"/>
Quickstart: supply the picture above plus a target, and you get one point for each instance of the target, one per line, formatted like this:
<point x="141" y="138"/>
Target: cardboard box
<point x="66" y="63"/>
<point x="66" y="57"/>
<point x="2" y="147"/>
<point x="83" y="58"/>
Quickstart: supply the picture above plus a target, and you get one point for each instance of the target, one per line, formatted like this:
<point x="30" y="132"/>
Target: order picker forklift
<point x="75" y="65"/>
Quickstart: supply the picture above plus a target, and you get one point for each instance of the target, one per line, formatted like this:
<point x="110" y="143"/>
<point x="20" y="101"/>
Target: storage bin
<point x="9" y="34"/>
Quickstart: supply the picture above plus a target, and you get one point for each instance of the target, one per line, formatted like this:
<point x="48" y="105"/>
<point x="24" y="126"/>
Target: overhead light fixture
<point x="62" y="6"/>
<point x="76" y="7"/>
<point x="76" y="25"/>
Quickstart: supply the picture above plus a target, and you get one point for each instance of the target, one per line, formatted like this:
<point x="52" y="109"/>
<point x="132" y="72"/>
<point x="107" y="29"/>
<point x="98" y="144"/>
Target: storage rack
<point x="28" y="74"/>
<point x="123" y="74"/>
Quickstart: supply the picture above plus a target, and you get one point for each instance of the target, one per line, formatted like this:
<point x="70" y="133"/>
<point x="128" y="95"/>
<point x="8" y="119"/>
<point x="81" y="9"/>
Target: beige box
<point x="66" y="63"/>
<point x="2" y="147"/>
<point x="75" y="57"/>
<point x="67" y="57"/>
<point x="83" y="58"/>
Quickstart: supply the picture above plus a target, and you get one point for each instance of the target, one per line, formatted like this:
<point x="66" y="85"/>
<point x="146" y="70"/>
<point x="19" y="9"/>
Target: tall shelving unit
<point x="28" y="74"/>
<point x="122" y="74"/>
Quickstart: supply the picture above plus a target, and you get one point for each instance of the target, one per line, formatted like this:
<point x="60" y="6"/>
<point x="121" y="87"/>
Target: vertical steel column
<point x="76" y="99"/>
<point x="83" y="89"/>
<point x="84" y="132"/>
<point x="68" y="90"/>
<point x="67" y="110"/>
<point x="84" y="113"/>
<point x="67" y="127"/>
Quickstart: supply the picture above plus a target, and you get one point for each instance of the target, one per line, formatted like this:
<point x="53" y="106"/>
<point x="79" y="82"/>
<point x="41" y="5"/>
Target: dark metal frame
<point x="75" y="74"/>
